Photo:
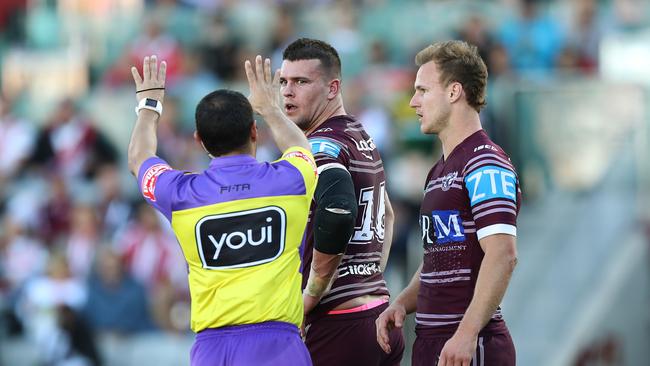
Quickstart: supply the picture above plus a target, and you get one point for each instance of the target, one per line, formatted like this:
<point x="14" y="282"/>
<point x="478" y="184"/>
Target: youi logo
<point x="241" y="239"/>
<point x="442" y="227"/>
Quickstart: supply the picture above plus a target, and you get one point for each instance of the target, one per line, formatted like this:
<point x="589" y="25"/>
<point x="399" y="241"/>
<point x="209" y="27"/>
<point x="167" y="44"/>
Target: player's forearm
<point x="321" y="276"/>
<point x="389" y="219"/>
<point x="285" y="133"/>
<point x="315" y="289"/>
<point x="143" y="142"/>
<point x="408" y="298"/>
<point x="494" y="276"/>
<point x="323" y="269"/>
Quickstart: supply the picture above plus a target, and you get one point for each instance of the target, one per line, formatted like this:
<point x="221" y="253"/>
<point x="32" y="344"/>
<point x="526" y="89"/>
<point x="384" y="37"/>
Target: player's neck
<point x="249" y="149"/>
<point x="333" y="109"/>
<point x="459" y="128"/>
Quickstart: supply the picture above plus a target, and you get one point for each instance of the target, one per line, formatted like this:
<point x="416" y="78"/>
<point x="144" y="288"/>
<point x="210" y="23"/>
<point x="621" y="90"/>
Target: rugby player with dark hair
<point x="468" y="218"/>
<point x="240" y="223"/>
<point x="350" y="231"/>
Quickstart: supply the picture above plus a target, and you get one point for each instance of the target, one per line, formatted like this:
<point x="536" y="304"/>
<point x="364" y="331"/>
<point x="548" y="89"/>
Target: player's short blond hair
<point x="459" y="62"/>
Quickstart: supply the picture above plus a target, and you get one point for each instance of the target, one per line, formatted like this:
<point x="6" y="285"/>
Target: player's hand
<point x="152" y="83"/>
<point x="458" y="351"/>
<point x="303" y="333"/>
<point x="264" y="87"/>
<point x="391" y="318"/>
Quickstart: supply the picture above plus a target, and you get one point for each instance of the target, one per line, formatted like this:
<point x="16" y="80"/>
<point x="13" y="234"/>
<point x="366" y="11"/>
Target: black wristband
<point x="144" y="90"/>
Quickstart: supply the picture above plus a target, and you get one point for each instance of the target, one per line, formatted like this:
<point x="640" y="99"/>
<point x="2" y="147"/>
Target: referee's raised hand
<point x="264" y="86"/>
<point x="152" y="83"/>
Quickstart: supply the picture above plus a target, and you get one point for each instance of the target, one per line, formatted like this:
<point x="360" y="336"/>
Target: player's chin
<point x="427" y="130"/>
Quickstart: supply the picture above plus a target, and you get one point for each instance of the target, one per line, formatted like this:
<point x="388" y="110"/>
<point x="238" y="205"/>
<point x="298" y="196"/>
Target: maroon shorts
<point x="351" y="339"/>
<point x="491" y="350"/>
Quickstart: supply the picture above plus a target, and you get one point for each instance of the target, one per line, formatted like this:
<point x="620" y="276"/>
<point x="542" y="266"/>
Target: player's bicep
<point x="501" y="245"/>
<point x="492" y="193"/>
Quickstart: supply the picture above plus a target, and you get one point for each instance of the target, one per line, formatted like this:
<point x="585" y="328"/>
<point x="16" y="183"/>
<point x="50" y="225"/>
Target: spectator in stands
<point x="532" y="39"/>
<point x="16" y="142"/>
<point x="152" y="256"/>
<point x="70" y="144"/>
<point x="37" y="307"/>
<point x="117" y="303"/>
<point x="82" y="242"/>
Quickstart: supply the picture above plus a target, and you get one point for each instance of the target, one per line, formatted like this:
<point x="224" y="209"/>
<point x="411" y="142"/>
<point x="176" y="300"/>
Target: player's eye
<point x="283" y="82"/>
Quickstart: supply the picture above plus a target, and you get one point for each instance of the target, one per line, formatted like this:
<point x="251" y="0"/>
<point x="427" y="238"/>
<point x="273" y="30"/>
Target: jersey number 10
<point x="372" y="223"/>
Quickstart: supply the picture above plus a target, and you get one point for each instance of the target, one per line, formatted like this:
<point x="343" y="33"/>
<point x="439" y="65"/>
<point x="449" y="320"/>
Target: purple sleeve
<point x="157" y="181"/>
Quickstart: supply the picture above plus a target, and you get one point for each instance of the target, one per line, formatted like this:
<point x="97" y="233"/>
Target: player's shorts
<point x="351" y="339"/>
<point x="263" y="344"/>
<point x="491" y="350"/>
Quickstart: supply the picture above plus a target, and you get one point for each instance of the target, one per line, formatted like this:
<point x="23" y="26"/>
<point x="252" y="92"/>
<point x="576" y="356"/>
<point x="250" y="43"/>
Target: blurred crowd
<point x="80" y="252"/>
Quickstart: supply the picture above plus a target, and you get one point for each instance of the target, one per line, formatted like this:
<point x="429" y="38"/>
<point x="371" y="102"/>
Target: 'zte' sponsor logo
<point x="442" y="227"/>
<point x="489" y="182"/>
<point x="241" y="239"/>
<point x="363" y="269"/>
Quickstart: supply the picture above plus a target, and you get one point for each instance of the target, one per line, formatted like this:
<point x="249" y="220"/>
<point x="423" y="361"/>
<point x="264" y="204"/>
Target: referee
<point x="240" y="223"/>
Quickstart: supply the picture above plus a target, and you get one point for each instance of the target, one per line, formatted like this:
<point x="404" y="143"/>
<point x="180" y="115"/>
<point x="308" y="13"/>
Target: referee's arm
<point x="151" y="85"/>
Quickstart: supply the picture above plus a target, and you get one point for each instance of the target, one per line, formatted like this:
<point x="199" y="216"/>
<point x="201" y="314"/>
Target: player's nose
<point x="287" y="90"/>
<point x="414" y="102"/>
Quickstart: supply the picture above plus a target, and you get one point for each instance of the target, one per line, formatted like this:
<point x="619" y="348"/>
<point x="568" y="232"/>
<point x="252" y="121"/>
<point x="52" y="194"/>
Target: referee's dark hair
<point x="314" y="49"/>
<point x="223" y="121"/>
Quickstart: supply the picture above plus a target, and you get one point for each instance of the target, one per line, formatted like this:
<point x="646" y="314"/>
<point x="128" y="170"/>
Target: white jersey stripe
<point x="365" y="163"/>
<point x="356" y="285"/>
<point x="438" y="316"/>
<point x="489" y="162"/>
<point x="360" y="260"/>
<point x="436" y="324"/>
<point x="370" y="290"/>
<point x="493" y="203"/>
<point x="327" y="166"/>
<point x="363" y="170"/>
<point x="347" y="256"/>
<point x="486" y="156"/>
<point x="445" y="280"/>
<point x="445" y="273"/>
<point x="495" y="210"/>
<point x="439" y="186"/>
<point x="496" y="229"/>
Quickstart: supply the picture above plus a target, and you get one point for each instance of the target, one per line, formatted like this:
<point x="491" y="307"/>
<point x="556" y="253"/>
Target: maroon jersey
<point x="473" y="194"/>
<point x="342" y="143"/>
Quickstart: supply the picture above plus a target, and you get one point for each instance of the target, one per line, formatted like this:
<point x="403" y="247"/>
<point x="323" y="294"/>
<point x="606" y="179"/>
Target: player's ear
<point x="254" y="131"/>
<point x="198" y="140"/>
<point x="455" y="91"/>
<point x="335" y="89"/>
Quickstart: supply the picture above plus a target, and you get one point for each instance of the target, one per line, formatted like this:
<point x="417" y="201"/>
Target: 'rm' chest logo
<point x="442" y="227"/>
<point x="241" y="239"/>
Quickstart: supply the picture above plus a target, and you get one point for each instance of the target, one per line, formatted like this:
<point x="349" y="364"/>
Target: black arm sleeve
<point x="336" y="211"/>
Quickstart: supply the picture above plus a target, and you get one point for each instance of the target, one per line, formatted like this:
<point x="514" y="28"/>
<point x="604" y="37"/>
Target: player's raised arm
<point x="265" y="99"/>
<point x="149" y="93"/>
